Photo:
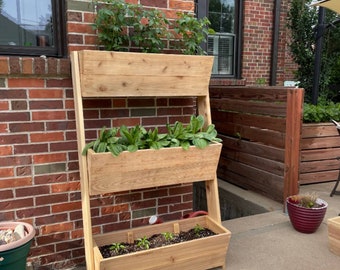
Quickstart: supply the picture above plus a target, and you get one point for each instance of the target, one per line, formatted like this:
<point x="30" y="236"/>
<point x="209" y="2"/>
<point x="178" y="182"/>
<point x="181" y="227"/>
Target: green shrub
<point x="323" y="112"/>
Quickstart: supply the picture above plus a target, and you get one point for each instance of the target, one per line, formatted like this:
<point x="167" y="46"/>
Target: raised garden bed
<point x="212" y="250"/>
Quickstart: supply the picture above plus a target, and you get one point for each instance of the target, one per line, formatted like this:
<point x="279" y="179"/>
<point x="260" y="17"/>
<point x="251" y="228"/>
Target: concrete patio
<point x="268" y="241"/>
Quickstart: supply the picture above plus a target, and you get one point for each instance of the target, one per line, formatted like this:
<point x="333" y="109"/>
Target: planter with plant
<point x="15" y="242"/>
<point x="306" y="212"/>
<point x="175" y="243"/>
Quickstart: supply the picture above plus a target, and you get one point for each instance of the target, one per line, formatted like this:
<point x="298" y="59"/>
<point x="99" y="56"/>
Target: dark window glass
<point x="32" y="27"/>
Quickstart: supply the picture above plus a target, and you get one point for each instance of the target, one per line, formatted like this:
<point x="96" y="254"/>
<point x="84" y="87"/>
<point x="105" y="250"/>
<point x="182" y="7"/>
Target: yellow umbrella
<point x="330" y="4"/>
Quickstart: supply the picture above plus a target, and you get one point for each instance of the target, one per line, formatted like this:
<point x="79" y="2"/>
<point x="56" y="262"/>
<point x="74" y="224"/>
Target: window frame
<point x="202" y="10"/>
<point x="59" y="48"/>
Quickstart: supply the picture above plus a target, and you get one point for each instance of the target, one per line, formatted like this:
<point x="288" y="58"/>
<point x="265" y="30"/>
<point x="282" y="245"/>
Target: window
<point x="225" y="17"/>
<point x="32" y="27"/>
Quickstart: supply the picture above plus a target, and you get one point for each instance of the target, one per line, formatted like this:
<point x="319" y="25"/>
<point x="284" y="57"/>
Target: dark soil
<point x="157" y="240"/>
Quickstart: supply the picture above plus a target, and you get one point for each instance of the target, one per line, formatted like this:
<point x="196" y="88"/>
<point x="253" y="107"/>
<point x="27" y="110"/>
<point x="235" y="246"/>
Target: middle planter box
<point x="151" y="168"/>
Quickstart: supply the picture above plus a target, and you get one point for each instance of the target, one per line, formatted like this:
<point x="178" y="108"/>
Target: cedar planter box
<point x="334" y="235"/>
<point x="197" y="254"/>
<point x="151" y="168"/>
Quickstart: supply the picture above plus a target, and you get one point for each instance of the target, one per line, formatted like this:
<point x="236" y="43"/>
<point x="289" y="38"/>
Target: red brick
<point x="6" y="194"/>
<point x="51" y="219"/>
<point x="89" y="17"/>
<point x="27" y="65"/>
<point x="13" y="94"/>
<point x="14" y="65"/>
<point x="181" y="5"/>
<point x="49" y="158"/>
<point x="26" y="127"/>
<point x="59" y="227"/>
<point x="6" y="150"/>
<point x="52" y="66"/>
<point x="45" y="94"/>
<point x="65" y="187"/>
<point x="25" y="82"/>
<point x="6" y="172"/>
<point x="33" y="212"/>
<point x="15" y="182"/>
<point x="12" y="161"/>
<point x="48" y="115"/>
<point x="3" y="128"/>
<point x="4" y="65"/>
<point x="4" y="106"/>
<point x="108" y="210"/>
<point x="51" y="199"/>
<point x="51" y="178"/>
<point x="14" y="116"/>
<point x="52" y="238"/>
<point x="153" y="3"/>
<point x="59" y="82"/>
<point x="16" y="204"/>
<point x="31" y="191"/>
<point x="80" y="28"/>
<point x="47" y="137"/>
<point x="64" y="207"/>
<point x="143" y="204"/>
<point x="74" y="16"/>
<point x="30" y="148"/>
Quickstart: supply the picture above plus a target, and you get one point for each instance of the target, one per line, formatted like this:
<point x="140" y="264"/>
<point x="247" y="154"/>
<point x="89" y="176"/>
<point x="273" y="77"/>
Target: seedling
<point x="117" y="247"/>
<point x="197" y="229"/>
<point x="168" y="236"/>
<point x="143" y="243"/>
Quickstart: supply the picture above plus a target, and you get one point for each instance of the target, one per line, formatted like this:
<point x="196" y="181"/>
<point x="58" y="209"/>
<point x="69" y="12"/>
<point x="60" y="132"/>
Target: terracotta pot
<point x="13" y="255"/>
<point x="306" y="220"/>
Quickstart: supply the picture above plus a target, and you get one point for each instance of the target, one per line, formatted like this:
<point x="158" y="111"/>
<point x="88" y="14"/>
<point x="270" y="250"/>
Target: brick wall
<point x="39" y="177"/>
<point x="257" y="42"/>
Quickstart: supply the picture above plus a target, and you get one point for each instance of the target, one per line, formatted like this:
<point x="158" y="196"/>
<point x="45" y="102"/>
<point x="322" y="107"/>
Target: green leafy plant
<point x="143" y="243"/>
<point x="192" y="33"/>
<point x="168" y="236"/>
<point x="117" y="247"/>
<point x="197" y="229"/>
<point x="135" y="138"/>
<point x="322" y="112"/>
<point x="124" y="26"/>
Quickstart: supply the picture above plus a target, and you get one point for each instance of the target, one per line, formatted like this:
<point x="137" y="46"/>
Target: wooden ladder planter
<point x="116" y="74"/>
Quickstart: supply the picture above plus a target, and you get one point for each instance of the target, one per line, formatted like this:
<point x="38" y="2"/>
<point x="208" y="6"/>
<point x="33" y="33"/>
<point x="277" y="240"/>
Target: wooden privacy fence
<point x="261" y="129"/>
<point x="320" y="150"/>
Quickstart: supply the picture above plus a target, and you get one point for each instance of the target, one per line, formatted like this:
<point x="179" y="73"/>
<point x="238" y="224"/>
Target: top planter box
<point x="151" y="168"/>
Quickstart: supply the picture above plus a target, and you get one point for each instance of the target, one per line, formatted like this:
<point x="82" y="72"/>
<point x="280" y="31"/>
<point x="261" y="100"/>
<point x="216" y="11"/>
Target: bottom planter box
<point x="203" y="253"/>
<point x="334" y="235"/>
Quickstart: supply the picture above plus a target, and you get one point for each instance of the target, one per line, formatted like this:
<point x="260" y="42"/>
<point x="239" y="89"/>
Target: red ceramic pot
<point x="306" y="220"/>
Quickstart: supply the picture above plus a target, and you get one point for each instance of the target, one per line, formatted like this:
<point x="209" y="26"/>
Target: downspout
<point x="276" y="28"/>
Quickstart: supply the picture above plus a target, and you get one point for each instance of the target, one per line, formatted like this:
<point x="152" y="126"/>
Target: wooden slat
<point x="319" y="165"/>
<point x="322" y="142"/>
<point x="269" y="94"/>
<point x="320" y="154"/>
<point x="122" y="74"/>
<point x="254" y="107"/>
<point x="319" y="130"/>
<point x="319" y="177"/>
